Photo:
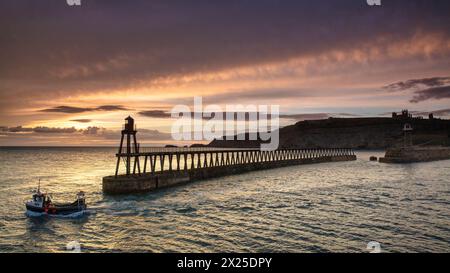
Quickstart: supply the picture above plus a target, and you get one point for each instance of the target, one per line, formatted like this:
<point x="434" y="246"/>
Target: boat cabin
<point x="41" y="199"/>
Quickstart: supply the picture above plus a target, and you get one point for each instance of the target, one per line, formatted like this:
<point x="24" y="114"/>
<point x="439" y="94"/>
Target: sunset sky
<point x="70" y="75"/>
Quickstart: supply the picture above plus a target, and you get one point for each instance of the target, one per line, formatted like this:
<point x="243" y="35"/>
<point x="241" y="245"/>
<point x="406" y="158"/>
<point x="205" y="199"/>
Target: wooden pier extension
<point x="163" y="167"/>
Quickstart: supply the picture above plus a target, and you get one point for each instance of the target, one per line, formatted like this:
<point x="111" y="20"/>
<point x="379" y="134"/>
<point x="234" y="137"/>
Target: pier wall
<point x="123" y="184"/>
<point x="415" y="154"/>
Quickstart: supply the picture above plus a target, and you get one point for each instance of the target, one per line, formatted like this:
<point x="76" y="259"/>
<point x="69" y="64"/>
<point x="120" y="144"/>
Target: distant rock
<point x="198" y="145"/>
<point x="170" y="146"/>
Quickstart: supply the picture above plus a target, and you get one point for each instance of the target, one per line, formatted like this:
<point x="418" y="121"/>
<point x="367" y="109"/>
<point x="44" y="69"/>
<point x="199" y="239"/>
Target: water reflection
<point x="327" y="207"/>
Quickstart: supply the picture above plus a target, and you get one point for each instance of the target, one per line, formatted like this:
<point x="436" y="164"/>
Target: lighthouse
<point x="132" y="147"/>
<point x="407" y="135"/>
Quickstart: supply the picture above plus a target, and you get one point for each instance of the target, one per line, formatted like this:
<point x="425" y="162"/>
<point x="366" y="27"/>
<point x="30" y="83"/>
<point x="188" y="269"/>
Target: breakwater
<point x="166" y="167"/>
<point x="415" y="154"/>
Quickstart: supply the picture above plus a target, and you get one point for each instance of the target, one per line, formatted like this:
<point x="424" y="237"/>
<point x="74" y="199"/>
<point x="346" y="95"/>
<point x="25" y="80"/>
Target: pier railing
<point x="158" y="160"/>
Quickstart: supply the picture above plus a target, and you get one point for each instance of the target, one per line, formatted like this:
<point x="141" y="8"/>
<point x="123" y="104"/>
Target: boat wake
<point x="77" y="214"/>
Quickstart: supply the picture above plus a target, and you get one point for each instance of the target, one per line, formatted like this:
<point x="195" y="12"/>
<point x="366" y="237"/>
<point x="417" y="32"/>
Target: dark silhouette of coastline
<point x="356" y="133"/>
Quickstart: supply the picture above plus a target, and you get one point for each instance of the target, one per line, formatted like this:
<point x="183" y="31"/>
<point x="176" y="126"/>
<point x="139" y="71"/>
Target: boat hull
<point x="57" y="210"/>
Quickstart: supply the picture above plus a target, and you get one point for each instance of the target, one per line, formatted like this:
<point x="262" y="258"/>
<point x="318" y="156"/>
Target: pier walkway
<point x="157" y="160"/>
<point x="155" y="168"/>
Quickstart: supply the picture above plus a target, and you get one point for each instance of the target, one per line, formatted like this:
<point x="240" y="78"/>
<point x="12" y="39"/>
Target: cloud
<point x="202" y="115"/>
<point x="255" y="95"/>
<point x="300" y="117"/>
<point x="441" y="112"/>
<point x="39" y="129"/>
<point x="82" y="120"/>
<point x="91" y="136"/>
<point x="316" y="116"/>
<point x="75" y="110"/>
<point x="418" y="83"/>
<point x="67" y="109"/>
<point x="147" y="134"/>
<point x="155" y="114"/>
<point x="93" y="130"/>
<point x="437" y="93"/>
<point x="268" y="94"/>
<point x="146" y="42"/>
<point x="111" y="108"/>
<point x="423" y="89"/>
<point x="50" y="130"/>
<point x="246" y="115"/>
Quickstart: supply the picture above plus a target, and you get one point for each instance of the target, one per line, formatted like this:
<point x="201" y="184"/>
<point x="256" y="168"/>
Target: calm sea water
<point x="337" y="207"/>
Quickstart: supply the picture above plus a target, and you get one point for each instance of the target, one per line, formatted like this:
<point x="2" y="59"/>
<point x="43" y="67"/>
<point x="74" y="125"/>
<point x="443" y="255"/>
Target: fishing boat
<point x="42" y="203"/>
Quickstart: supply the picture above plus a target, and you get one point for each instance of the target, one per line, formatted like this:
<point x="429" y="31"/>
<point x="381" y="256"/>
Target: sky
<point x="69" y="75"/>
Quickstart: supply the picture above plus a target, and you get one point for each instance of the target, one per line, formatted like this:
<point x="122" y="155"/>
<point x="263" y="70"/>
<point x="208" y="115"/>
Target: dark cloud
<point x="49" y="49"/>
<point x="441" y="112"/>
<point x="437" y="93"/>
<point x="18" y="129"/>
<point x="315" y="116"/>
<point x="82" y="120"/>
<point x="245" y="115"/>
<point x="51" y="130"/>
<point x="75" y="110"/>
<point x="347" y="115"/>
<point x="300" y="117"/>
<point x="92" y="131"/>
<point x="202" y="115"/>
<point x="40" y="129"/>
<point x="67" y="109"/>
<point x="424" y="89"/>
<point x="418" y="83"/>
<point x="91" y="136"/>
<point x="155" y="114"/>
<point x="111" y="108"/>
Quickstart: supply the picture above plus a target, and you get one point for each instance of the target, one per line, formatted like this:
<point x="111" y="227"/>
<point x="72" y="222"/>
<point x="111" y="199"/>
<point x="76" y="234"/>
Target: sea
<point x="357" y="206"/>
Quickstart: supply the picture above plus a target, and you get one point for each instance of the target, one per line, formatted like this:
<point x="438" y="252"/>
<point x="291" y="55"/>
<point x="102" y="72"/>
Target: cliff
<point x="357" y="133"/>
